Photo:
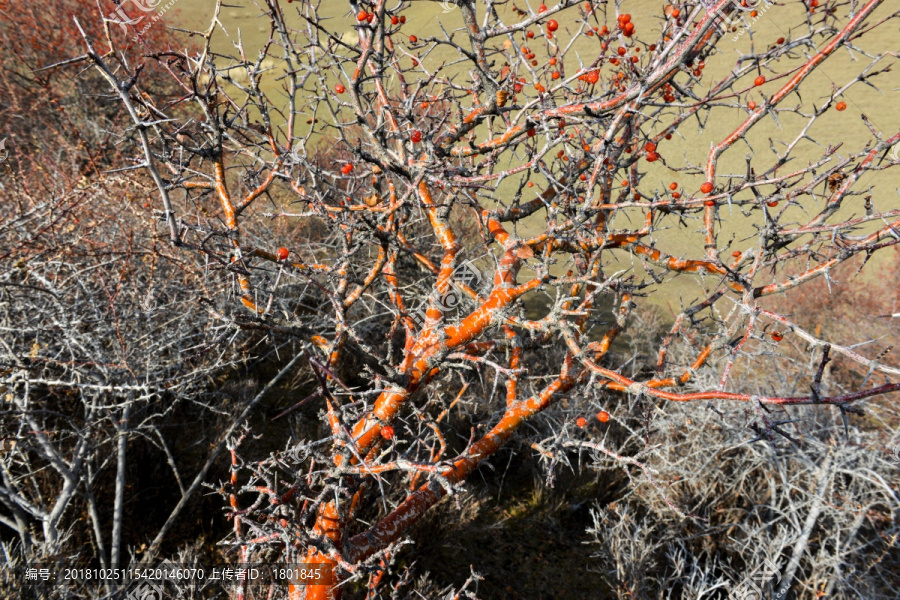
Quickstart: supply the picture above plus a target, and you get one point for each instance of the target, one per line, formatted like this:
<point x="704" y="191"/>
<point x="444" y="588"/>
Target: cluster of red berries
<point x="625" y="24"/>
<point x="602" y="416"/>
<point x="364" y="16"/>
<point x="529" y="55"/>
<point x="591" y="77"/>
<point x="668" y="93"/>
<point x="674" y="186"/>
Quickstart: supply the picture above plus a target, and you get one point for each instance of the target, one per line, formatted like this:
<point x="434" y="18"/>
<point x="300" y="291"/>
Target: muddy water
<point x="882" y="107"/>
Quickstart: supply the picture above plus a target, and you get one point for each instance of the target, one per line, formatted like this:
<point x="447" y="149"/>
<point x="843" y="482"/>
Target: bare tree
<point x="479" y="216"/>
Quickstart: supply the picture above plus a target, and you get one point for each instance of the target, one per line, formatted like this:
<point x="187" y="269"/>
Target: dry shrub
<point x="854" y="308"/>
<point x="59" y="122"/>
<point x="410" y="408"/>
<point x="105" y="356"/>
<point x="814" y="508"/>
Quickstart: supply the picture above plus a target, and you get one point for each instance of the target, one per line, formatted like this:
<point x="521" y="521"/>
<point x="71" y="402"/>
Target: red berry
<point x="416" y="136"/>
<point x="710" y="203"/>
<point x="673" y="186"/>
<point x="529" y="35"/>
<point x="552" y="25"/>
<point x="394" y="20"/>
<point x="555" y="75"/>
<point x="621" y="51"/>
<point x="759" y="80"/>
<point x="603" y="416"/>
<point x="652" y="157"/>
<point x="751" y="105"/>
<point x="347" y="169"/>
<point x="362" y="16"/>
<point x="776" y="335"/>
<point x="581" y="422"/>
<point x="532" y="132"/>
<point x="736" y="254"/>
<point x="413" y="39"/>
<point x="650" y="147"/>
<point x="542" y="8"/>
<point x="707" y="187"/>
<point x="624" y="18"/>
<point x="402" y="19"/>
<point x="676" y="195"/>
<point x="282" y="253"/>
<point x="339" y="89"/>
<point x="840" y="106"/>
<point x="387" y="432"/>
<point x="779" y="41"/>
<point x="772" y="204"/>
